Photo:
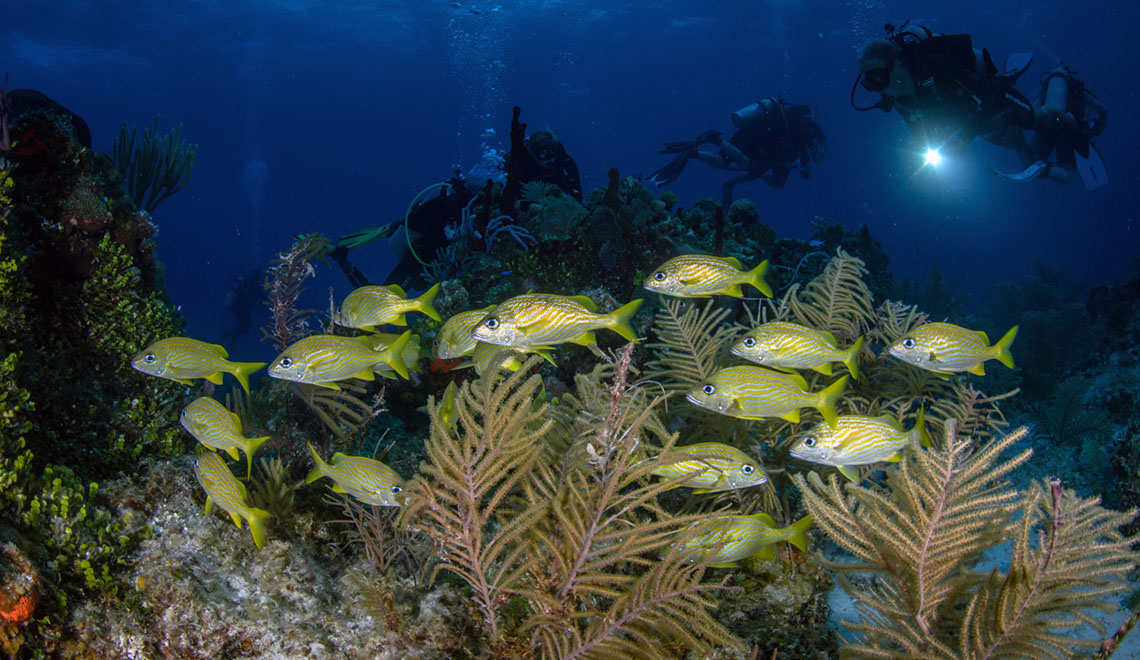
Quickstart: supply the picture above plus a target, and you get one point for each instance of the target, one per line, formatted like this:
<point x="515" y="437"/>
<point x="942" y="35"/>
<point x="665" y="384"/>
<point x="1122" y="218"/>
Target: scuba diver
<point x="772" y="137"/>
<point x="245" y="299"/>
<point x="543" y="158"/>
<point x="1071" y="116"/>
<point x="949" y="93"/>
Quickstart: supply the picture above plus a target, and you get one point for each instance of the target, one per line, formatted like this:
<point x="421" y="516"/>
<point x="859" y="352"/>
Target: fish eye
<point x="659" y="276"/>
<point x="908" y="342"/>
<point x="491" y="323"/>
<point x="435" y="342"/>
<point x="747" y="469"/>
<point x="285" y="362"/>
<point x="809" y="442"/>
<point x="709" y="389"/>
<point x="396" y="489"/>
<point x="149" y="358"/>
<point x="749" y="342"/>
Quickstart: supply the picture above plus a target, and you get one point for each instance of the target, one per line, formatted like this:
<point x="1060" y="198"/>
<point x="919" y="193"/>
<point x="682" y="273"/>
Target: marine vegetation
<point x="155" y="168"/>
<point x="922" y="536"/>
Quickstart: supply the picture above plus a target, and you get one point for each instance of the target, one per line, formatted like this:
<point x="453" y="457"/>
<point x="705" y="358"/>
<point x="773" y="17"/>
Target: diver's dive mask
<point x="876" y="80"/>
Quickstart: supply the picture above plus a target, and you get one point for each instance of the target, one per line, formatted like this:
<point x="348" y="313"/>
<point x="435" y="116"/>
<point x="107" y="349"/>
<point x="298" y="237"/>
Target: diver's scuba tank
<point x="1056" y="92"/>
<point x="750" y="114"/>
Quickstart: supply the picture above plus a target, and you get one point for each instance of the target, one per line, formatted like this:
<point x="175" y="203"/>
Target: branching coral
<point x="924" y="534"/>
<point x="159" y="167"/>
<point x="690" y="343"/>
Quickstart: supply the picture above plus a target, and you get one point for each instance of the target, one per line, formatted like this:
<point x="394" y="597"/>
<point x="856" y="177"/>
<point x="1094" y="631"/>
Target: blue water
<point x="320" y="115"/>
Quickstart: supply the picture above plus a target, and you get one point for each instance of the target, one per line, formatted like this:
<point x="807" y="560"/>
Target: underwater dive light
<point x="932" y="157"/>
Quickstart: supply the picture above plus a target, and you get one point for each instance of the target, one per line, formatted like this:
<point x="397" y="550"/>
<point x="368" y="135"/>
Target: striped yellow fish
<point x="217" y="428"/>
<point x="221" y="487"/>
<point x="858" y="440"/>
<point x="713" y="467"/>
<point x="182" y="359"/>
<point x="370" y="306"/>
<point x="410" y="355"/>
<point x="539" y="320"/>
<point x="366" y="479"/>
<point x="324" y="359"/>
<point x="703" y="275"/>
<point x="741" y="537"/>
<point x="752" y="392"/>
<point x="448" y="413"/>
<point x="788" y="346"/>
<point x="945" y="348"/>
<point x="454" y="339"/>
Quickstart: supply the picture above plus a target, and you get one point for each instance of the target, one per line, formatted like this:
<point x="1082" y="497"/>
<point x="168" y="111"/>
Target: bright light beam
<point x="932" y="158"/>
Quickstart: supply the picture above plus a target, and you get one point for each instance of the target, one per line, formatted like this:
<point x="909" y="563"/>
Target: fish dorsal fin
<point x="799" y="381"/>
<point x="765" y="519"/>
<point x="336" y="458"/>
<point x="235" y="419"/>
<point x="395" y="288"/>
<point x="891" y="421"/>
<point x="585" y="302"/>
<point x="218" y="350"/>
<point x="983" y="336"/>
<point x="829" y="338"/>
<point x="734" y="262"/>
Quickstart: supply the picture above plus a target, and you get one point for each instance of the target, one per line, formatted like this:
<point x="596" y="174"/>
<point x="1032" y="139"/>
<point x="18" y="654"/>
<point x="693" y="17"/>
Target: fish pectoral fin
<point x="849" y="472"/>
<point x="978" y="370"/>
<point x="215" y="378"/>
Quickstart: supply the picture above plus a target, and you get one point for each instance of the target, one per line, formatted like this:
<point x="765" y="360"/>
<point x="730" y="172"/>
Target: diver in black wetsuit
<point x="1071" y="117"/>
<point x="772" y="137"/>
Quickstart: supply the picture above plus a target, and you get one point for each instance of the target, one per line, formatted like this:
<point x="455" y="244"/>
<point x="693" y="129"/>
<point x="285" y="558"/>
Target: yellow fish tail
<point x="318" y="471"/>
<point x="251" y="445"/>
<point x="827" y="400"/>
<point x="756" y="278"/>
<point x="797" y="533"/>
<point x="424" y="302"/>
<point x="619" y="319"/>
<point x="395" y="353"/>
<point x="920" y="428"/>
<point x="851" y="359"/>
<point x="242" y="371"/>
<point x="256" y="518"/>
<point x="1001" y="348"/>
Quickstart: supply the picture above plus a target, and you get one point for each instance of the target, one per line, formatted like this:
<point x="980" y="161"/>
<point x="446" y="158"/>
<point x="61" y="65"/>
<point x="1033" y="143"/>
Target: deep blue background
<point x="321" y="115"/>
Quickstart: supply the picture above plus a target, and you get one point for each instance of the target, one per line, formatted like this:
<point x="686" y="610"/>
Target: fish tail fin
<point x="251" y="445"/>
<point x="257" y="518"/>
<point x="619" y="319"/>
<point x="851" y="359"/>
<point x="920" y="428"/>
<point x="1001" y="348"/>
<point x="756" y="278"/>
<point x="395" y="354"/>
<point x="424" y="302"/>
<point x="319" y="470"/>
<point x="797" y="533"/>
<point x="828" y="398"/>
<point x="242" y="370"/>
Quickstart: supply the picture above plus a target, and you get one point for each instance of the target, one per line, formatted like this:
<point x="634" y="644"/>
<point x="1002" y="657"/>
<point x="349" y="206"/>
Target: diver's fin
<point x="1091" y="168"/>
<point x="1025" y="176"/>
<point x="1016" y="64"/>
<point x="672" y="171"/>
<point x="684" y="147"/>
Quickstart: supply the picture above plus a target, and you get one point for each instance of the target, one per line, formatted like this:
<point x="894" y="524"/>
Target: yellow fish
<point x="752" y="392"/>
<point x="454" y="339"/>
<point x="703" y="275"/>
<point x="370" y="306"/>
<point x="221" y="487"/>
<point x="713" y="467"/>
<point x="217" y="428"/>
<point x="366" y="479"/>
<point x="741" y="537"/>
<point x="541" y="320"/>
<point x="509" y="358"/>
<point x="858" y="440"/>
<point x="182" y="359"/>
<point x="324" y="359"/>
<point x="945" y="348"/>
<point x="789" y="346"/>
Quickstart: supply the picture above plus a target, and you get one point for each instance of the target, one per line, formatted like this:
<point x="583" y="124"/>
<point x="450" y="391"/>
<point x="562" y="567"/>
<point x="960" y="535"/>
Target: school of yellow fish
<point x="498" y="335"/>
